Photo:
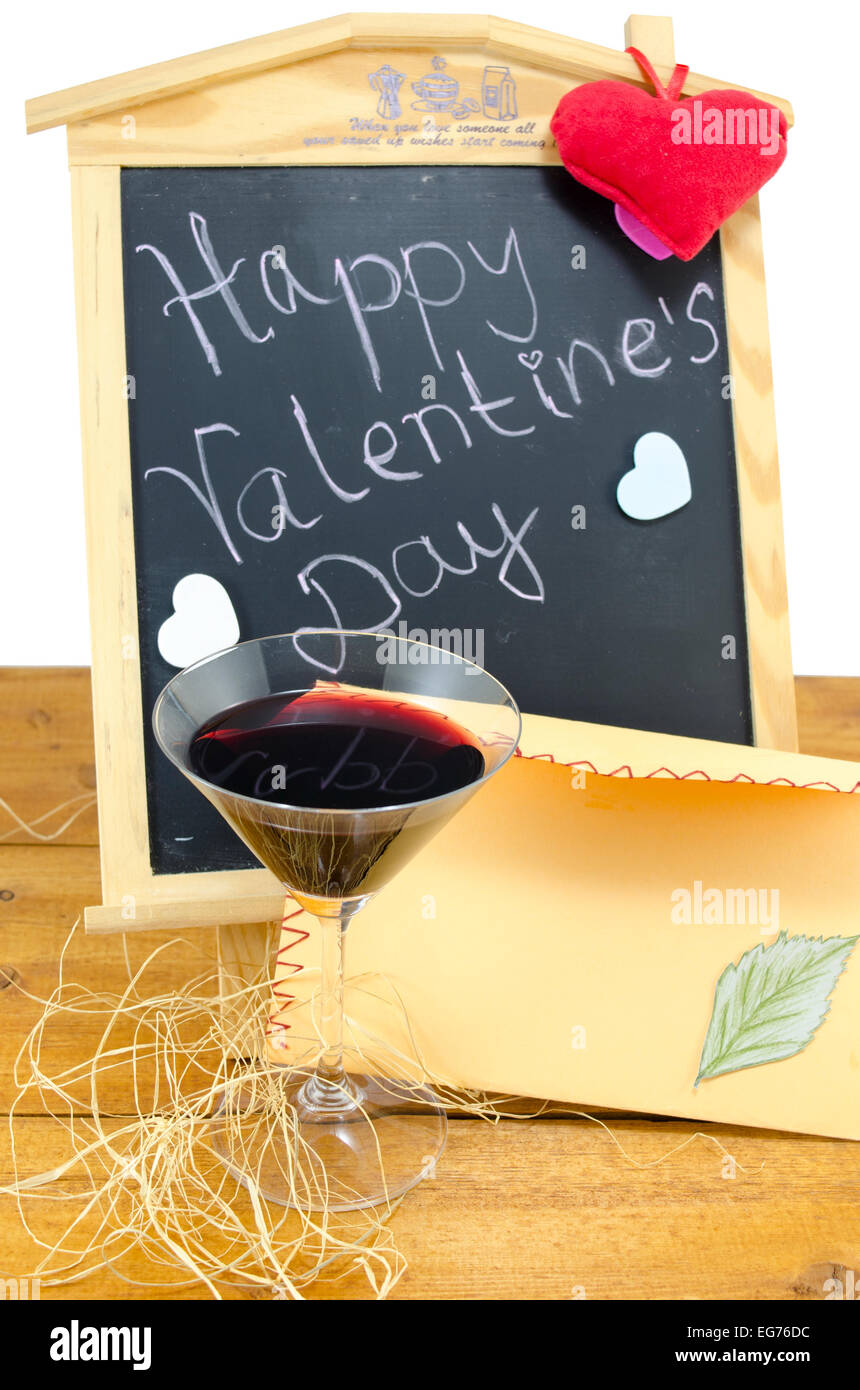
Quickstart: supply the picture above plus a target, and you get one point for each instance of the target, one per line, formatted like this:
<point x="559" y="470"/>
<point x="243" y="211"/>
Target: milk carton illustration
<point x="499" y="94"/>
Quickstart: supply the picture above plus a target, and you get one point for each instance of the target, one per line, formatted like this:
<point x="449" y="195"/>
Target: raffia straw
<point x="82" y="802"/>
<point x="147" y="1187"/>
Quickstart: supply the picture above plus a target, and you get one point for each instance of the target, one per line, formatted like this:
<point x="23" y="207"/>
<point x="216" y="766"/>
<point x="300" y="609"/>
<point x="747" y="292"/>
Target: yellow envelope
<point x="564" y="935"/>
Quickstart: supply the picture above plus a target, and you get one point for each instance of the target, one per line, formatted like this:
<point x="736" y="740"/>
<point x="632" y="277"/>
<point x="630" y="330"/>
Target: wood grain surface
<point x="545" y="1209"/>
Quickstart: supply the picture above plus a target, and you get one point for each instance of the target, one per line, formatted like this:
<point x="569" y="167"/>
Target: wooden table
<point x="532" y="1209"/>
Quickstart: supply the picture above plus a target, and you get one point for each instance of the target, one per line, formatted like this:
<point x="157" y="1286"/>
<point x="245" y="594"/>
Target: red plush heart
<point x="677" y="173"/>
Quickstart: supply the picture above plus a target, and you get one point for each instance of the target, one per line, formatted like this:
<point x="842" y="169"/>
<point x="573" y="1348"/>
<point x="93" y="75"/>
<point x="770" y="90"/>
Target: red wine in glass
<point x="334" y="789"/>
<point x="338" y="750"/>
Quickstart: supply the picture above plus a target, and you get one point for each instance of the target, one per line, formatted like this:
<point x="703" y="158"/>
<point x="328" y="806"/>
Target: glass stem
<point x="329" y="1083"/>
<point x="330" y="1064"/>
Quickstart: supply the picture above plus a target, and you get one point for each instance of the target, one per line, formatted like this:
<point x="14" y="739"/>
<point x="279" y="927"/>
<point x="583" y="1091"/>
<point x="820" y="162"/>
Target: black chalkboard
<point x="320" y="329"/>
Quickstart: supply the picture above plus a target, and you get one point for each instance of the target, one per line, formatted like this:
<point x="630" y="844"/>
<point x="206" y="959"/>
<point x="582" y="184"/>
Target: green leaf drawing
<point x="770" y="1004"/>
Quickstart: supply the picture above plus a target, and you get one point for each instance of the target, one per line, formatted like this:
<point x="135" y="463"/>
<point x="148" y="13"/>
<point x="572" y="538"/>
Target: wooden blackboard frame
<point x="161" y="116"/>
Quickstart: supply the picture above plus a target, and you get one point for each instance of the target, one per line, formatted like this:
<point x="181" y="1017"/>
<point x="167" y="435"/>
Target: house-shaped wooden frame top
<point x="482" y="36"/>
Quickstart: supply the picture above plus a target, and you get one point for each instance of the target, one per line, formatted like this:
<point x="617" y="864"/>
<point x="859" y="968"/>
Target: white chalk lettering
<point x="511" y="245"/>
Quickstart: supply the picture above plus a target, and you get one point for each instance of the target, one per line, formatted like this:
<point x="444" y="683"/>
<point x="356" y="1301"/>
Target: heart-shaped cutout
<point x="532" y="360"/>
<point x="659" y="481"/>
<point x="203" y="621"/>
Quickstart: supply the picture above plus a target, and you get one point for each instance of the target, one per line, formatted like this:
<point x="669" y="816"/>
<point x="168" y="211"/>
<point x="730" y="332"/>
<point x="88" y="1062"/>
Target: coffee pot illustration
<point x="387" y="83"/>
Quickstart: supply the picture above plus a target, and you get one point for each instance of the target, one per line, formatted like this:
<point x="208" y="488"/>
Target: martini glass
<point x="336" y="756"/>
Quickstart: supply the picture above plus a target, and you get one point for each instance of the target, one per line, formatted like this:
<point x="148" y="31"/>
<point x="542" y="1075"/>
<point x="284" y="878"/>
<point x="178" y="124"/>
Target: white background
<point x="806" y="53"/>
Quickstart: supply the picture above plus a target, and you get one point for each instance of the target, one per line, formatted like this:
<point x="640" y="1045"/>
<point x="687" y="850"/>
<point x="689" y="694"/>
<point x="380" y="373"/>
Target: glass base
<point x="324" y="1147"/>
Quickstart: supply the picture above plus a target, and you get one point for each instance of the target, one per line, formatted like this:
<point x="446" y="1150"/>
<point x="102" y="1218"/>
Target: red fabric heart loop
<point x="676" y="81"/>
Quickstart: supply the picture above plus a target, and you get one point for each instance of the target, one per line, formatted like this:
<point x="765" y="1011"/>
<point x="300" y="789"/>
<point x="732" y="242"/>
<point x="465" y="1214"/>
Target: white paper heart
<point x="203" y="621"/>
<point x="659" y="481"/>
